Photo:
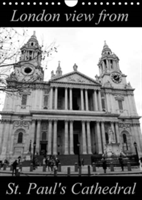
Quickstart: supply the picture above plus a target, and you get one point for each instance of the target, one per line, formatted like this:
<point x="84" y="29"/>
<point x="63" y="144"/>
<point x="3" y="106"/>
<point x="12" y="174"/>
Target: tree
<point x="11" y="40"/>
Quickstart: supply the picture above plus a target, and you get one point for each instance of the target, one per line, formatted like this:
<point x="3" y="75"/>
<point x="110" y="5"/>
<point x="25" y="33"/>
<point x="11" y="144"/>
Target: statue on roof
<point x="75" y="67"/>
<point x="52" y="74"/>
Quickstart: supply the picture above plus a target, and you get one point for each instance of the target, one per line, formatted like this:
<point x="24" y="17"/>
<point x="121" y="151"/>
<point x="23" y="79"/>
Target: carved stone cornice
<point x="21" y="123"/>
<point x="124" y="125"/>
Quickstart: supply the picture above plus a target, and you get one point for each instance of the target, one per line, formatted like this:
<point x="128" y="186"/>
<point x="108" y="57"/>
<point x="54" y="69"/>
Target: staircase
<point x="72" y="159"/>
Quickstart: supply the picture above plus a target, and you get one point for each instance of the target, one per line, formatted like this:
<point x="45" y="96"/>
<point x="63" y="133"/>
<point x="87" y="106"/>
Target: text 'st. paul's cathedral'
<point x="70" y="113"/>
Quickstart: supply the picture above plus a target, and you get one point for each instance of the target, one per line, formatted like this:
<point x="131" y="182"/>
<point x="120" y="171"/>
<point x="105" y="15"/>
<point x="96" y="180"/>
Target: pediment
<point x="76" y="78"/>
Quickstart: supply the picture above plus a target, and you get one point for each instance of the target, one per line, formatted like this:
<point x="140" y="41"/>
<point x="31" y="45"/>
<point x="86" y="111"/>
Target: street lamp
<point x="137" y="156"/>
<point x="34" y="146"/>
<point x="79" y="162"/>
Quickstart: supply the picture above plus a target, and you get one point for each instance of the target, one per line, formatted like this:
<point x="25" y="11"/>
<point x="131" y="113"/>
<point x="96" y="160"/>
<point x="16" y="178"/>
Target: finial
<point x="105" y="42"/>
<point x="34" y="33"/>
<point x="59" y="63"/>
<point x="59" y="71"/>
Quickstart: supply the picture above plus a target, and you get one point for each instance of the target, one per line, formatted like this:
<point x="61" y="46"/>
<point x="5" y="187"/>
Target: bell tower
<point x="31" y="51"/>
<point x="109" y="70"/>
<point x="108" y="62"/>
<point x="29" y="69"/>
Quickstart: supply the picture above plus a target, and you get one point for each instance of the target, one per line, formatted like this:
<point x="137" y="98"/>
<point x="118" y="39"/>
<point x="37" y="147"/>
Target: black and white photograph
<point x="71" y="107"/>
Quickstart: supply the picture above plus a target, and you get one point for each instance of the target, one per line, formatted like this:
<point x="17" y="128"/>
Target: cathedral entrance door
<point x="76" y="147"/>
<point x="43" y="148"/>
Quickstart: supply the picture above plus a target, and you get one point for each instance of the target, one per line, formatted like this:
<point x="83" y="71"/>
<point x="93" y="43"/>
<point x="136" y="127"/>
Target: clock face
<point x="116" y="77"/>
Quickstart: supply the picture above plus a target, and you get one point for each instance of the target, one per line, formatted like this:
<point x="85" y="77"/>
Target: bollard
<point x="89" y="170"/>
<point x="31" y="167"/>
<point x="76" y="167"/>
<point x="55" y="172"/>
<point x="59" y="167"/>
<point x="111" y="167"/>
<point x="17" y="173"/>
<point x="44" y="168"/>
<point x="79" y="171"/>
<point x="68" y="171"/>
<point x="4" y="167"/>
<point x="20" y="167"/>
<point x="94" y="167"/>
<point x="129" y="166"/>
<point x="11" y="167"/>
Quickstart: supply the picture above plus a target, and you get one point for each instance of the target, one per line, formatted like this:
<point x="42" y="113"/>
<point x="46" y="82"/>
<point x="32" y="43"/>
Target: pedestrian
<point x="104" y="164"/>
<point x="140" y="163"/>
<point x="14" y="167"/>
<point x="121" y="162"/>
<point x="82" y="162"/>
<point x="57" y="161"/>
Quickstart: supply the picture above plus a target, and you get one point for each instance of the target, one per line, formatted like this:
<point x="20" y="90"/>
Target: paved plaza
<point x="70" y="171"/>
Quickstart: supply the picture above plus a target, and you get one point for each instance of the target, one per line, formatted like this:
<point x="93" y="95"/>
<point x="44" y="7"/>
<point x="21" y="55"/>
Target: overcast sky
<point x="83" y="46"/>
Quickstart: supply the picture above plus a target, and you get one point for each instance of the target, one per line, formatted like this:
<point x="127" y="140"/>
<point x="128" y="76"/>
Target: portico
<point x="63" y="135"/>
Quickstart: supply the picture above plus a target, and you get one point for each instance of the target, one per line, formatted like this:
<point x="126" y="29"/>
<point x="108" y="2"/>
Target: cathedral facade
<point x="70" y="113"/>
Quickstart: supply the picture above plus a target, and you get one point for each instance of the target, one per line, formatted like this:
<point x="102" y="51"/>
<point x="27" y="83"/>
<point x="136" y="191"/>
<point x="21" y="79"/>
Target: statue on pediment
<point x="75" y="67"/>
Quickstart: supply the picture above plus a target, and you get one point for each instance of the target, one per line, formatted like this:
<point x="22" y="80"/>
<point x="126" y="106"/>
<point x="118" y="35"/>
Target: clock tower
<point x="29" y="69"/>
<point x="109" y="69"/>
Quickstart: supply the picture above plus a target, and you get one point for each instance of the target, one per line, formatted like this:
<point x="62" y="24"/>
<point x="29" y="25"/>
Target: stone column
<point x="9" y="137"/>
<point x="1" y="133"/>
<point x="66" y="137"/>
<point x="117" y="133"/>
<point x="130" y="105"/>
<point x="5" y="138"/>
<point x="89" y="138"/>
<point x="32" y="135"/>
<point x="38" y="135"/>
<point x="136" y="136"/>
<point x="71" y="137"/>
<point x="111" y="103"/>
<point x="108" y="103"/>
<point x="139" y="136"/>
<point x="66" y="98"/>
<point x="103" y="65"/>
<point x="51" y="98"/>
<point x="49" y="137"/>
<point x="83" y="138"/>
<point x="95" y="101"/>
<point x="82" y="100"/>
<point x="11" y="143"/>
<point x="86" y="99"/>
<point x="134" y="104"/>
<point x="70" y="98"/>
<point x="103" y="135"/>
<point x="99" y="142"/>
<point x="99" y="101"/>
<point x="113" y="130"/>
<point x="56" y="98"/>
<point x="55" y="139"/>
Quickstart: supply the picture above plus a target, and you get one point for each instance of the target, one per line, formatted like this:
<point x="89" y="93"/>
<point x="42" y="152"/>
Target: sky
<point x="83" y="46"/>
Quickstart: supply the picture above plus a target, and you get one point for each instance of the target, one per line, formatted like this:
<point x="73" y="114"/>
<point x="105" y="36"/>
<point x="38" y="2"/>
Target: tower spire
<point x="59" y="70"/>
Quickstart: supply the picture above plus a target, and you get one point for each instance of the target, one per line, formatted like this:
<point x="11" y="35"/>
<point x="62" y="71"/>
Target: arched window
<point x="20" y="137"/>
<point x="124" y="138"/>
<point x="43" y="136"/>
<point x="125" y="143"/>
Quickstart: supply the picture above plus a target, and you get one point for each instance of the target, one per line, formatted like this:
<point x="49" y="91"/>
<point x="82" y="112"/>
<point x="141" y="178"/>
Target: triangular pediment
<point x="76" y="78"/>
